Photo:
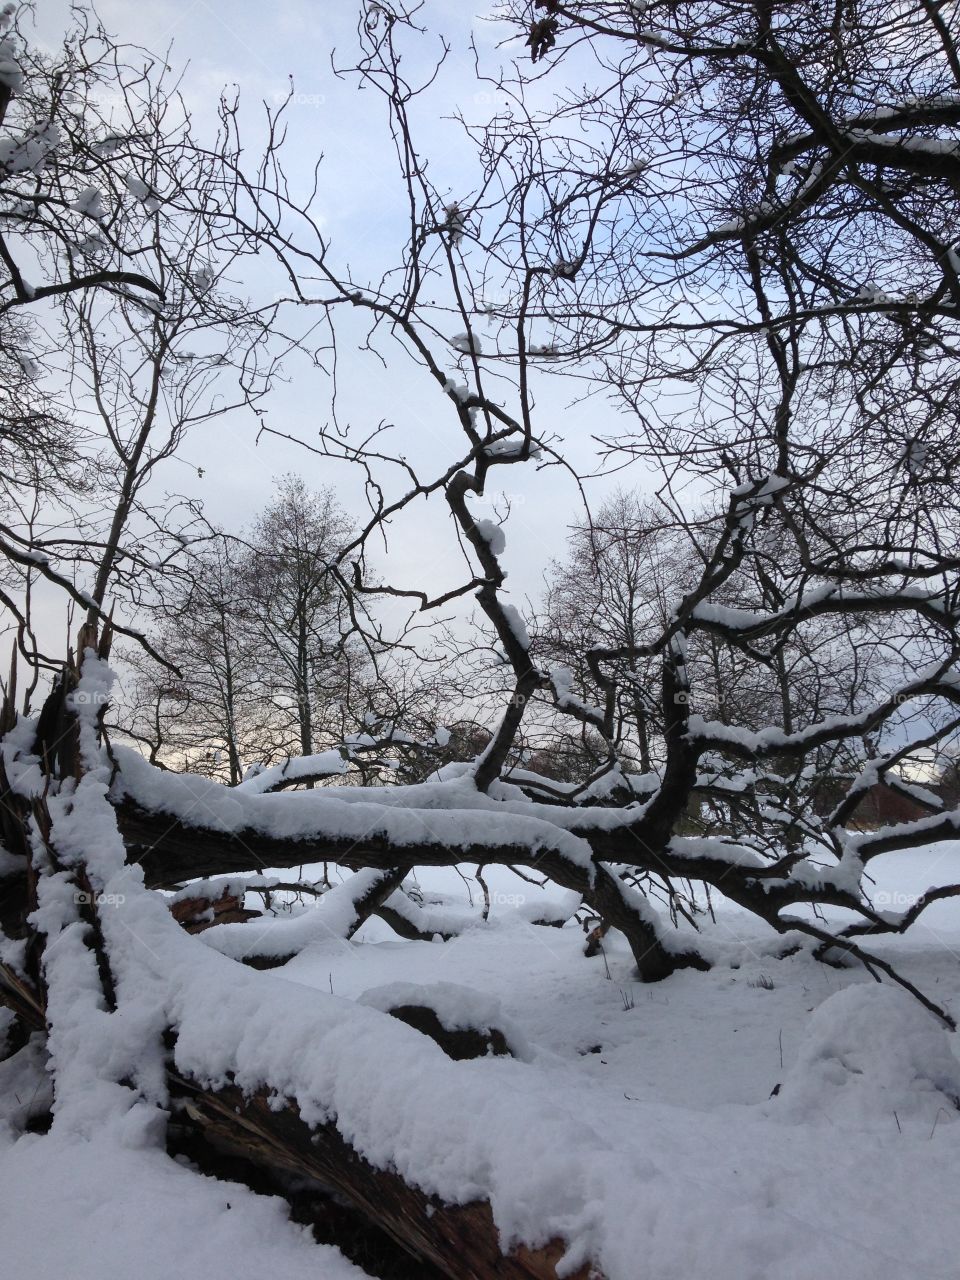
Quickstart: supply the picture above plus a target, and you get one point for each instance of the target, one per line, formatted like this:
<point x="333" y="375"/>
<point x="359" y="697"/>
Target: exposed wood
<point x="459" y="1043"/>
<point x="405" y="928"/>
<point x="200" y="913"/>
<point x="460" y="1241"/>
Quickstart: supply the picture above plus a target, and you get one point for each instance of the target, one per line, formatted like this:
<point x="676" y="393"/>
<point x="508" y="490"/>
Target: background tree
<point x="309" y="664"/>
<point x="215" y="717"/>
<point x="117" y="225"/>
<point x="622" y="571"/>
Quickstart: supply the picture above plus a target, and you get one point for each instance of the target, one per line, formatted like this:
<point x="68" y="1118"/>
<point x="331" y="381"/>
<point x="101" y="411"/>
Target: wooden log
<point x="202" y="912"/>
<point x="460" y="1241"/>
<point x="459" y="1043"/>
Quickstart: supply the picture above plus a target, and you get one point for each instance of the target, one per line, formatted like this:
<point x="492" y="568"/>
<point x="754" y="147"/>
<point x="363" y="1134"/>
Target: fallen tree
<point x="105" y="949"/>
<point x="819" y="567"/>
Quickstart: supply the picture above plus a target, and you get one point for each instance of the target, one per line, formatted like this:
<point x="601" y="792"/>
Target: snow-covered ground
<point x="783" y="1120"/>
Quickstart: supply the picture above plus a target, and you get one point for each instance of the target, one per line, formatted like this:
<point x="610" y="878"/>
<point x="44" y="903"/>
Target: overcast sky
<point x="260" y="48"/>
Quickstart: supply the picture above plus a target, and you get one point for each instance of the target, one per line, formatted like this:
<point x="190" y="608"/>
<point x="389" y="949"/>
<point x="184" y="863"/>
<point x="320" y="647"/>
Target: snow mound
<point x="871" y="1050"/>
<point x="115" y="1211"/>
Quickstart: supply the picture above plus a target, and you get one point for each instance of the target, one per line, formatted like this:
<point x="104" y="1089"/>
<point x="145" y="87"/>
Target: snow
<point x="97" y="1209"/>
<point x="321" y="764"/>
<point x="28" y="153"/>
<point x="204" y="280"/>
<point x="765" y="487"/>
<point x="432" y="916"/>
<point x="870" y="1050"/>
<point x="725" y="850"/>
<point x="639" y="1124"/>
<point x="332" y="917"/>
<point x="216" y="888"/>
<point x="511" y="447"/>
<point x="516" y="625"/>
<point x="151" y="202"/>
<point x="108" y="145"/>
<point x="562" y="680"/>
<point x="930" y="146"/>
<point x="914" y="456"/>
<point x="458" y="1008"/>
<point x="458" y="391"/>
<point x="772" y="1119"/>
<point x="455" y="222"/>
<point x="355" y="813"/>
<point x="90" y="203"/>
<point x="11" y="73"/>
<point x="732" y="1183"/>
<point x="467" y="344"/>
<point x="492" y="534"/>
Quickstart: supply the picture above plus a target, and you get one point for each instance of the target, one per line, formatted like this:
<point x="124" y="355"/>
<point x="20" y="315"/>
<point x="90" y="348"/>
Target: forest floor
<point x="784" y="1119"/>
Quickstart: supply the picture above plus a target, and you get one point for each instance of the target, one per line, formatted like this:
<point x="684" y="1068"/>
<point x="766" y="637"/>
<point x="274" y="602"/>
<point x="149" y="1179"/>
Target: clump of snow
<point x="511" y="447"/>
<point x="915" y="456"/>
<point x="466" y="343"/>
<point x="516" y="625"/>
<point x="28" y="153"/>
<point x="137" y="187"/>
<point x="143" y="192"/>
<point x="89" y="700"/>
<point x="259" y="779"/>
<point x="432" y="917"/>
<point x="562" y="680"/>
<point x="492" y="534"/>
<point x="455" y="222"/>
<point x="457" y="391"/>
<point x="204" y="280"/>
<point x="89" y="202"/>
<point x="870" y="292"/>
<point x="871" y="1050"/>
<point x="108" y="145"/>
<point x="762" y="490"/>
<point x="219" y="886"/>
<point x="11" y="73"/>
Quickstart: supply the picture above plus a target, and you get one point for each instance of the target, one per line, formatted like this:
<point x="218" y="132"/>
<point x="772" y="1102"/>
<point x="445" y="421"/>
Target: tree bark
<point x="459" y="1240"/>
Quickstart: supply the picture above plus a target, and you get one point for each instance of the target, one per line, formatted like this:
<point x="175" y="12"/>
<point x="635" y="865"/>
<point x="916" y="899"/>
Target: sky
<point x="262" y="49"/>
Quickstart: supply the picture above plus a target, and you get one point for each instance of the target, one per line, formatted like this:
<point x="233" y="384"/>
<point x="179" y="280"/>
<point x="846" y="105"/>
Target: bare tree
<point x="309" y="662"/>
<point x="614" y="589"/>
<point x="744" y="231"/>
<point x="215" y="716"/>
<point x="120" y="226"/>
